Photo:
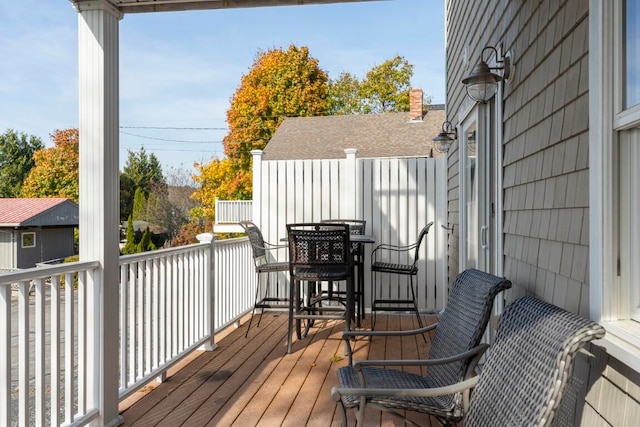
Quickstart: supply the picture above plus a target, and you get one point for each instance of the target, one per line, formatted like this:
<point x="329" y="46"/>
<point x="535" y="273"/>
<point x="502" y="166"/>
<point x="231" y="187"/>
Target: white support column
<point x="99" y="198"/>
<point x="349" y="209"/>
<point x="257" y="187"/>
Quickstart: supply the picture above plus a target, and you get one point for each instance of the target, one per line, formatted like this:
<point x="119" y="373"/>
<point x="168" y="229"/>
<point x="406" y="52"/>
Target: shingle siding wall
<point x="545" y="170"/>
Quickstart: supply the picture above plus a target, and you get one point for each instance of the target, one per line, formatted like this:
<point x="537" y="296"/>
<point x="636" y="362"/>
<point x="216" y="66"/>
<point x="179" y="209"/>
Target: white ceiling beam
<point x="148" y="6"/>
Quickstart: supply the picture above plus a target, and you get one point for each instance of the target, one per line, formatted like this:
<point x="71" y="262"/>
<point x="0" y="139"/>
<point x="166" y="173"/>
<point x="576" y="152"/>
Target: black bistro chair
<point x="397" y="260"/>
<point x="318" y="252"/>
<point x="266" y="298"/>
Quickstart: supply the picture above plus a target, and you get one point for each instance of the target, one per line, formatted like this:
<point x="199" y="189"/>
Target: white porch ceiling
<point x="145" y="6"/>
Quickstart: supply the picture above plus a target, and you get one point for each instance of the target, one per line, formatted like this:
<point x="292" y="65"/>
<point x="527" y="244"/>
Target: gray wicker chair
<point x="318" y="252"/>
<point x="270" y="299"/>
<point x="385" y="258"/>
<point x="526" y="371"/>
<point x="454" y="352"/>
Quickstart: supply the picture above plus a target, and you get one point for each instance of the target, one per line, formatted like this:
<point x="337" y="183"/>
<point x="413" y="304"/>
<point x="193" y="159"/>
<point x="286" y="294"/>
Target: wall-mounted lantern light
<point x="482" y="83"/>
<point x="445" y="138"/>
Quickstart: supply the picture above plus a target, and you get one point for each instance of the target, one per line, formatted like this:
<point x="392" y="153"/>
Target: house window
<point x="632" y="53"/>
<point x="29" y="240"/>
<point x="614" y="152"/>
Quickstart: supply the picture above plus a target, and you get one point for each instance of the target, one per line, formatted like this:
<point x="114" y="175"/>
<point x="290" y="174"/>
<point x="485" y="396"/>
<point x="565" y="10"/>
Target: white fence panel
<point x="396" y="196"/>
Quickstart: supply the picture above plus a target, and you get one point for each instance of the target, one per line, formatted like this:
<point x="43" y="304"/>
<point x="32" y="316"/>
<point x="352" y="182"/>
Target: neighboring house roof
<point x="38" y="212"/>
<point x="139" y="225"/>
<point x="373" y="135"/>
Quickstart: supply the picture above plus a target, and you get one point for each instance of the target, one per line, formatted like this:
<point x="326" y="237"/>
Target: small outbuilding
<point x="34" y="230"/>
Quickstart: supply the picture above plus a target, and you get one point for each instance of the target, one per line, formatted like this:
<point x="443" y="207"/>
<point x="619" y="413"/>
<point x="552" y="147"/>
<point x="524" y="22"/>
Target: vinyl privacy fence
<point x="395" y="196"/>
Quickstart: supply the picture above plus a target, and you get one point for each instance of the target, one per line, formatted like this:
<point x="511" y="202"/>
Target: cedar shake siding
<point x="545" y="170"/>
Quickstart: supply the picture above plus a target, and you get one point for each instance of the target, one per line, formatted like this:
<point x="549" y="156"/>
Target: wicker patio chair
<point x="453" y="354"/>
<point x="356" y="227"/>
<point x="522" y="382"/>
<point x="387" y="258"/>
<point x="318" y="252"/>
<point x="268" y="298"/>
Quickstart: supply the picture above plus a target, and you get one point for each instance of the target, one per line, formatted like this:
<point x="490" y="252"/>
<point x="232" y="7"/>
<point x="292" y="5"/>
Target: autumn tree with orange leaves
<point x="55" y="173"/>
<point x="280" y="83"/>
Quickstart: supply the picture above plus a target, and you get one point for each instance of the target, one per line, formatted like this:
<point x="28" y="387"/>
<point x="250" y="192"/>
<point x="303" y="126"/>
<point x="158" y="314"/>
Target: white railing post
<point x="5" y="355"/>
<point x="209" y="289"/>
<point x="257" y="186"/>
<point x="348" y="208"/>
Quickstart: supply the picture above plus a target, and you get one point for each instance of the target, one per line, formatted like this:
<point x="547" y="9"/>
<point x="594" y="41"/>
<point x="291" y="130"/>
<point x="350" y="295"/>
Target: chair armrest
<point x="391" y="247"/>
<point x="347" y="335"/>
<point x="269" y="246"/>
<point x="475" y="352"/>
<point x="338" y="392"/>
<point x="388" y="247"/>
<point x="408" y="332"/>
<point x="385" y="247"/>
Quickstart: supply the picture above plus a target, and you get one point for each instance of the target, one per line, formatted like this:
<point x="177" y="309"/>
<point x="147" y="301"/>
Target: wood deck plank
<point x="164" y="400"/>
<point x="313" y="403"/>
<point x="269" y="347"/>
<point x="253" y="382"/>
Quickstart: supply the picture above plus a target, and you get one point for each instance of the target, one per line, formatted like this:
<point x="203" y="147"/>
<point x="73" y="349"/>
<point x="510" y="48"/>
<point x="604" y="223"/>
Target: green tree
<point x="127" y="194"/>
<point x="141" y="171"/>
<point x="139" y="202"/>
<point x="386" y="86"/>
<point x="16" y="161"/>
<point x="144" y="170"/>
<point x="146" y="242"/>
<point x="130" y="247"/>
<point x="344" y="95"/>
<point x="55" y="173"/>
<point x="384" y="89"/>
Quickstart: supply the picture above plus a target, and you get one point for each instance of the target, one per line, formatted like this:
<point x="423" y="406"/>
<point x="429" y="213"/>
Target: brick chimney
<point x="415" y="104"/>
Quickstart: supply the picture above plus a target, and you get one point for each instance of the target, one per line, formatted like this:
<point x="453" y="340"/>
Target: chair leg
<point x="374" y="293"/>
<point x="253" y="312"/>
<point x="360" y="291"/>
<point x="343" y="414"/>
<point x="292" y="301"/>
<point x="266" y="293"/>
<point x="415" y="307"/>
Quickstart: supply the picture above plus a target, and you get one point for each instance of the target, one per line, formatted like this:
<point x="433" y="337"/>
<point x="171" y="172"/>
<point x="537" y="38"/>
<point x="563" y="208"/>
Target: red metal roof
<point x="17" y="211"/>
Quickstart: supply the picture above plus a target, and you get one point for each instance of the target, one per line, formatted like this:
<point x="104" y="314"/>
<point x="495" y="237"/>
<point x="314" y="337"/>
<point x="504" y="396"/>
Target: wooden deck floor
<point x="253" y="382"/>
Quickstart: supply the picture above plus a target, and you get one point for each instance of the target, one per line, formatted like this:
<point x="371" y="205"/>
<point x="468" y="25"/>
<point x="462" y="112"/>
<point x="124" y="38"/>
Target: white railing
<point x="167" y="310"/>
<point x="233" y="211"/>
<point x="46" y="345"/>
<point x="234" y="281"/>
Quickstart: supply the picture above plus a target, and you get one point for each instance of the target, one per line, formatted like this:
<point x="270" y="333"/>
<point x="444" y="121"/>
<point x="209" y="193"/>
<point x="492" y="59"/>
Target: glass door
<point x="480" y="228"/>
<point x="469" y="192"/>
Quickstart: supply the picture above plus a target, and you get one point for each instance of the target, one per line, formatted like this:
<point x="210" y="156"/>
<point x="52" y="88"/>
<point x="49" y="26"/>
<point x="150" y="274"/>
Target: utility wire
<point x="171" y="128"/>
<point x="170" y="140"/>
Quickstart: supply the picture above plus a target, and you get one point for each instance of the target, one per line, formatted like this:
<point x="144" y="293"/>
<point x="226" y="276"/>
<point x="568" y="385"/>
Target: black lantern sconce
<point x="482" y="83"/>
<point x="442" y="142"/>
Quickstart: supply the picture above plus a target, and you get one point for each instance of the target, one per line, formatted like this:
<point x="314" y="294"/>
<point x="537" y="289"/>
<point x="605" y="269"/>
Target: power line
<point x="171" y="128"/>
<point x="170" y="140"/>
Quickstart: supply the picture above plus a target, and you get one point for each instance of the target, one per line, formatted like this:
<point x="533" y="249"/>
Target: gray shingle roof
<point x="373" y="135"/>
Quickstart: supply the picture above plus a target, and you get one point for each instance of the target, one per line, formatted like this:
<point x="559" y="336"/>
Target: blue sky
<point x="179" y="69"/>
